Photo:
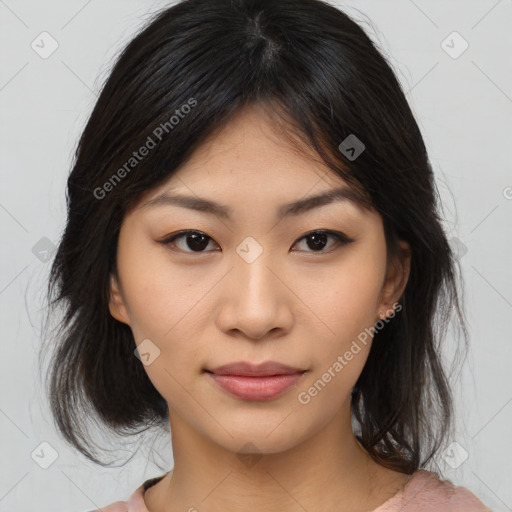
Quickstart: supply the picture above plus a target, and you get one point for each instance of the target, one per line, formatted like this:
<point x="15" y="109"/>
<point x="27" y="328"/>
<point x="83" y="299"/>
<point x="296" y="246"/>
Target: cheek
<point x="164" y="307"/>
<point x="161" y="298"/>
<point x="167" y="306"/>
<point x="345" y="297"/>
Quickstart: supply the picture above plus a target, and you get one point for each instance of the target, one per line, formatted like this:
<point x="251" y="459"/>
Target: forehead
<point x="252" y="142"/>
<point x="248" y="161"/>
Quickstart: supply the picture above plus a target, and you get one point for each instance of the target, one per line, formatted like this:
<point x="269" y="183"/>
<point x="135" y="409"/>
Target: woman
<point x="254" y="258"/>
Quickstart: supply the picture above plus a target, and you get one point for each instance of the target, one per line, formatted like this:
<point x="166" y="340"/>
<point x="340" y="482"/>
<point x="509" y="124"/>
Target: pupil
<point x="316" y="243"/>
<point x="197" y="243"/>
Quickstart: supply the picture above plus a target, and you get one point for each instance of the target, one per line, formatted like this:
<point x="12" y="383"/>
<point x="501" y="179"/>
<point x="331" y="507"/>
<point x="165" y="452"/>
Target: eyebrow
<point x="286" y="210"/>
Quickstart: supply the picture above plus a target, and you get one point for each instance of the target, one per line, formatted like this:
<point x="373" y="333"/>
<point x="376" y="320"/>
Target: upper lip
<point x="244" y="368"/>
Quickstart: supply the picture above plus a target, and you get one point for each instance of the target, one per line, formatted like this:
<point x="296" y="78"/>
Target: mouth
<point x="255" y="382"/>
<point x="247" y="369"/>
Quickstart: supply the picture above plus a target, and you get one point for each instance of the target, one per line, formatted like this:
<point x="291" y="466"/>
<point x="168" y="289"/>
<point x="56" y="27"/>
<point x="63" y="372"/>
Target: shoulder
<point x="135" y="503"/>
<point x="426" y="491"/>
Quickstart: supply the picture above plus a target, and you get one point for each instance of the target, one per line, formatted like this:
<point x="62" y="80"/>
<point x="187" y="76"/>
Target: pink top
<point x="424" y="492"/>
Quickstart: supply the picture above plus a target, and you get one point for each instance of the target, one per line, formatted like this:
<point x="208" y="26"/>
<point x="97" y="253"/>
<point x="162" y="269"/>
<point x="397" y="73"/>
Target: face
<point x="298" y="289"/>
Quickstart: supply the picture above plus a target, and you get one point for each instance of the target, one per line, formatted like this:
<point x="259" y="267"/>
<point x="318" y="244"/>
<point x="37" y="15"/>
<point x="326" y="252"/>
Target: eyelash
<point x="341" y="238"/>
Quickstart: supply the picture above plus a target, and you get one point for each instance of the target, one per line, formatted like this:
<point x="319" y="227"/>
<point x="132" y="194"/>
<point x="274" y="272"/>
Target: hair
<point x="187" y="72"/>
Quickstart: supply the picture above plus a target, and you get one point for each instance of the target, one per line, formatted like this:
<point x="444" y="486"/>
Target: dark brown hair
<point x="313" y="67"/>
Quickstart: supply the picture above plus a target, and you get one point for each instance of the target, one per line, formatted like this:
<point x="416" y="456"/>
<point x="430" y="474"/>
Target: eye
<point x="317" y="239"/>
<point x="197" y="241"/>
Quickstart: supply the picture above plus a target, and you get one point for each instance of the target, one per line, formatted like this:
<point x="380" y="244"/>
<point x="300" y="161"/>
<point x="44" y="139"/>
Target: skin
<point x="294" y="304"/>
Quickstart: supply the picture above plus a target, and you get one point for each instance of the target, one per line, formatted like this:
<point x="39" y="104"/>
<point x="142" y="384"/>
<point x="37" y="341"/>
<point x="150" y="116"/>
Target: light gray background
<point x="464" y="109"/>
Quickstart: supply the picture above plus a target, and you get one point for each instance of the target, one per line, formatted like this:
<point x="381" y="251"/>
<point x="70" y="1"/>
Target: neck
<point x="328" y="472"/>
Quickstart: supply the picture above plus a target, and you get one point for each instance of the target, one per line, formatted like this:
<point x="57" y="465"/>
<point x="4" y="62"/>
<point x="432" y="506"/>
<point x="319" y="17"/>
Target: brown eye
<point x="190" y="241"/>
<point x="317" y="240"/>
<point x="196" y="241"/>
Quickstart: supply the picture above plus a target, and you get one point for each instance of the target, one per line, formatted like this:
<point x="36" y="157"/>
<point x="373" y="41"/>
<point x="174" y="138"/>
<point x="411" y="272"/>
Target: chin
<point x="261" y="437"/>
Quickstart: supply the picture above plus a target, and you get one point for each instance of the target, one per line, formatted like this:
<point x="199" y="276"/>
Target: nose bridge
<point x="256" y="281"/>
<point x="255" y="296"/>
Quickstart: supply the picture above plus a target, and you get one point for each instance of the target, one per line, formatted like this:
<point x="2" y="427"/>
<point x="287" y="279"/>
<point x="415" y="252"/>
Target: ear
<point x="396" y="280"/>
<point x="116" y="302"/>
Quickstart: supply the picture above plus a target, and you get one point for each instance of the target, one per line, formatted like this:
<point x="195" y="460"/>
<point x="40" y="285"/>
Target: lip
<point x="247" y="369"/>
<point x="256" y="382"/>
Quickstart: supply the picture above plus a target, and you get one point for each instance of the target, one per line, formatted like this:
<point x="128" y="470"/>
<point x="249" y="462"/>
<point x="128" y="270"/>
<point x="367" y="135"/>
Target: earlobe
<point x="396" y="280"/>
<point x="116" y="303"/>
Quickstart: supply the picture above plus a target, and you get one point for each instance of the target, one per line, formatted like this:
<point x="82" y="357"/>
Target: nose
<point x="256" y="303"/>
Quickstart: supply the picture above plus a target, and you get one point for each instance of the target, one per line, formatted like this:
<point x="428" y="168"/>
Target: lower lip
<point x="256" y="388"/>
